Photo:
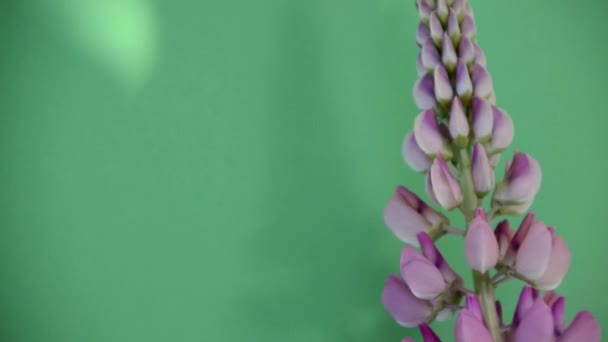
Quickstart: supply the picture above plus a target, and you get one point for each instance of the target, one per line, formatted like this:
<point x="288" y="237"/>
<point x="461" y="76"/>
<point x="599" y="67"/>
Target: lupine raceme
<point x="457" y="141"/>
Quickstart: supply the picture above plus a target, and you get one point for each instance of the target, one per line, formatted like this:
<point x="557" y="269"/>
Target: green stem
<point x="483" y="284"/>
<point x="485" y="292"/>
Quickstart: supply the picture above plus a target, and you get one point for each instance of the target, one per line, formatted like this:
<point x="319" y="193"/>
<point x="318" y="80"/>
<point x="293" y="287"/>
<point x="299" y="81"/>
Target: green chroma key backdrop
<point x="217" y="170"/>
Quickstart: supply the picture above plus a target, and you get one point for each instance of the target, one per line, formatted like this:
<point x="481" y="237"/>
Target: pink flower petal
<point x="468" y="328"/>
<point x="401" y="303"/>
<point x="533" y="256"/>
<point x="536" y="325"/>
<point x="480" y="244"/>
<point x="584" y="328"/>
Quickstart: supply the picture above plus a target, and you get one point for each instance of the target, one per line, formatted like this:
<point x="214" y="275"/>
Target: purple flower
<point x="443" y="86"/>
<point x="435" y="28"/>
<point x="429" y="136"/>
<point x="469" y="328"/>
<point x="430" y="251"/>
<point x="406" y="215"/>
<point x="453" y="29"/>
<point x="480" y="244"/>
<point x="422" y="277"/>
<point x="445" y="187"/>
<point x="413" y="155"/>
<point x="424" y="91"/>
<point x="458" y="124"/>
<point x="400" y="302"/>
<point x="464" y="87"/>
<point x="483" y="119"/>
<point x="559" y="263"/>
<point x="503" y="234"/>
<point x="457" y="142"/>
<point x="536" y="324"/>
<point x="502" y="131"/>
<point x="422" y="33"/>
<point x="468" y="27"/>
<point x="466" y="51"/>
<point x="530" y="248"/>
<point x="584" y="327"/>
<point x="482" y="82"/>
<point x="482" y="171"/>
<point x="449" y="58"/>
<point x="515" y="194"/>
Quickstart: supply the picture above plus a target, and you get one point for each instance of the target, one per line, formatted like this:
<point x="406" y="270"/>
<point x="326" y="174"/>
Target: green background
<point x="217" y="170"/>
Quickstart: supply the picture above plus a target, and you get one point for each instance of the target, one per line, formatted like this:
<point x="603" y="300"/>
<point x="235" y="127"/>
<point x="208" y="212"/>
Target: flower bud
<point x="483" y="119"/>
<point x="464" y="87"/>
<point x="458" y="125"/>
<point x="503" y="234"/>
<point x="424" y="92"/>
<point x="468" y="27"/>
<point x="421" y="276"/>
<point x="558" y="308"/>
<point x="482" y="82"/>
<point x="413" y="155"/>
<point x="430" y="56"/>
<point x="408" y="339"/>
<point x="536" y="324"/>
<point x="443" y="86"/>
<point x="502" y="131"/>
<point x="424" y="11"/>
<point x="584" y="327"/>
<point x="436" y="29"/>
<point x="406" y="215"/>
<point x="526" y="299"/>
<point x="480" y="57"/>
<point x="445" y="187"/>
<point x="473" y="305"/>
<point x="422" y="34"/>
<point x="466" y="50"/>
<point x="428" y="187"/>
<point x="428" y="335"/>
<point x="518" y="238"/>
<point x="428" y="135"/>
<point x="468" y="328"/>
<point x="401" y="303"/>
<point x="448" y="57"/>
<point x="442" y="11"/>
<point x="534" y="253"/>
<point x="521" y="182"/>
<point x="483" y="174"/>
<point x="453" y="29"/>
<point x="559" y="263"/>
<point x="459" y="7"/>
<point x="430" y="251"/>
<point x="480" y="244"/>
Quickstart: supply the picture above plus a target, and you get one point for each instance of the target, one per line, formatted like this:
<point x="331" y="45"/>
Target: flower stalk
<point x="457" y="141"/>
<point x="485" y="292"/>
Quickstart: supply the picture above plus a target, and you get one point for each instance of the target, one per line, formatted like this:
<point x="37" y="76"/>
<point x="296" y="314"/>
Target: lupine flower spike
<point x="456" y="142"/>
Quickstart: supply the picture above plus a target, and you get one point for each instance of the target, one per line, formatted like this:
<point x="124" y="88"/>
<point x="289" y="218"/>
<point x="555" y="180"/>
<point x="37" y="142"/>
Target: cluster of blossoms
<point x="456" y="142"/>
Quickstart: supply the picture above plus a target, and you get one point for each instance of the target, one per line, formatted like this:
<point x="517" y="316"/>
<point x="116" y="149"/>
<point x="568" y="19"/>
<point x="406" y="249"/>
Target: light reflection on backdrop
<point x="121" y="35"/>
